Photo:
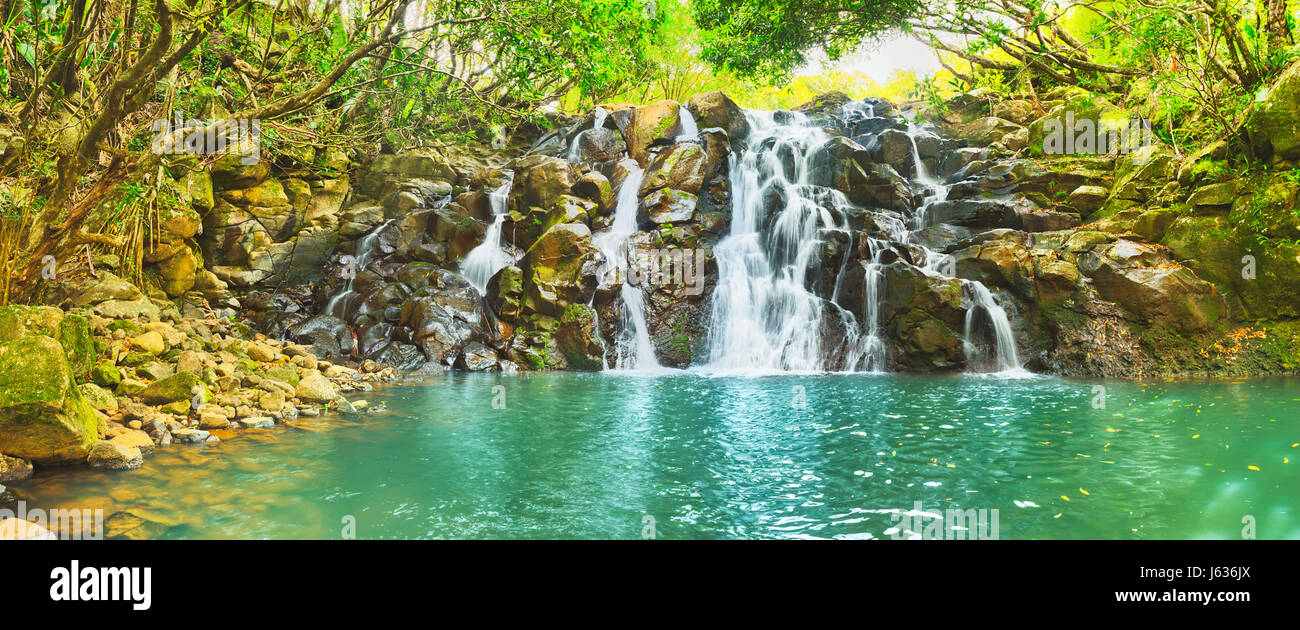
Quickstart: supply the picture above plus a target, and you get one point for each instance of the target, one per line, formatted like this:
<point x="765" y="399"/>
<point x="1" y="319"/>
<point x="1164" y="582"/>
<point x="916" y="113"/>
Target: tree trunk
<point x="1279" y="36"/>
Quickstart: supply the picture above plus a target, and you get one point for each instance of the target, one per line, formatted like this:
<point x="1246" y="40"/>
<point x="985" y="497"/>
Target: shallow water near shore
<point x="714" y="456"/>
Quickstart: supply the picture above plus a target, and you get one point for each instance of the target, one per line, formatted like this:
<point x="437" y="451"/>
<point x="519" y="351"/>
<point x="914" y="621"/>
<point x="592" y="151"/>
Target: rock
<point x="340" y="371"/>
<point x="210" y="420"/>
<point x="106" y="375"/>
<point x="271" y="401"/>
<point x="1270" y="124"/>
<point x="1087" y="199"/>
<point x="177" y="387"/>
<point x="1221" y="194"/>
<point x="128" y="309"/>
<point x="558" y="271"/>
<point x="43" y="416"/>
<point x="114" y="456"/>
<point x="179" y="272"/>
<point x="666" y="206"/>
<point x="150" y="342"/>
<point x="257" y="422"/>
<point x="314" y="387"/>
<point x="714" y="109"/>
<point x="261" y="352"/>
<point x="682" y="167"/>
<point x="131" y="387"/>
<point x="14" y="469"/>
<point x="594" y="187"/>
<point x="190" y="436"/>
<point x="986" y="131"/>
<point x="155" y="370"/>
<point x="1163" y="293"/>
<point x="476" y="358"/>
<point x="136" y="525"/>
<point x="136" y="439"/>
<point x="578" y="339"/>
<point x="1152" y="224"/>
<point x="71" y="332"/>
<point x="1018" y="111"/>
<point x="98" y="397"/>
<point x="599" y="145"/>
<point x="656" y="121"/>
<point x="539" y="182"/>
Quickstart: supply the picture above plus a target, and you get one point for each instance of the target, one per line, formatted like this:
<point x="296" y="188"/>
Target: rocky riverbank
<point x="81" y="387"/>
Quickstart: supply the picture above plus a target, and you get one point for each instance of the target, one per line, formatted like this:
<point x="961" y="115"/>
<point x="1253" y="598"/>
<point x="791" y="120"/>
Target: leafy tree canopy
<point x="771" y="38"/>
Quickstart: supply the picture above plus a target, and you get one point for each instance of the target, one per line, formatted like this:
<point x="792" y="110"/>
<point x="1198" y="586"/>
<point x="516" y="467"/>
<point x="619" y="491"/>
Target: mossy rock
<point x="71" y="331"/>
<point x="106" y="375"/>
<point x="131" y="328"/>
<point x="136" y="359"/>
<point x="283" y="375"/>
<point x="176" y="387"/>
<point x="43" y="417"/>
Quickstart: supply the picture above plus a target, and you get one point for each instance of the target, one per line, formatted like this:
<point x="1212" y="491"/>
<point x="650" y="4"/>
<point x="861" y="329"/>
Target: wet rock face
<point x="928" y="210"/>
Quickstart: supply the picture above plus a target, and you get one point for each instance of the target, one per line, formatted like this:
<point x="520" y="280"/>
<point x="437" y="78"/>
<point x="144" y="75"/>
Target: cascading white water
<point x="934" y="190"/>
<point x="632" y="348"/>
<point x="689" y="129"/>
<point x="482" y="262"/>
<point x="873" y="343"/>
<point x="764" y="318"/>
<point x="1005" y="359"/>
<point x="1003" y="353"/>
<point x="366" y="248"/>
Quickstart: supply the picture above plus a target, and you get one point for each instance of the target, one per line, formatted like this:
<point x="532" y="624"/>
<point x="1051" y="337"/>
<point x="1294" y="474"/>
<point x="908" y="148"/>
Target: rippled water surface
<point x="824" y="456"/>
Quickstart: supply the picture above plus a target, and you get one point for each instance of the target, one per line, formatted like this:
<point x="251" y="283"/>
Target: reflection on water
<point x="831" y="456"/>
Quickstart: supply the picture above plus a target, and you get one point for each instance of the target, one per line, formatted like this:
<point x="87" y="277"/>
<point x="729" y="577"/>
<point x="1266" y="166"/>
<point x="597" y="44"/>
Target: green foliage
<point x="769" y="39"/>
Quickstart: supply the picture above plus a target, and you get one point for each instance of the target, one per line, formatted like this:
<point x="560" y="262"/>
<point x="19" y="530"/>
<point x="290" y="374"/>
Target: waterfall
<point x="1002" y="355"/>
<point x="764" y="318"/>
<point x="874" y="344"/>
<point x="934" y="191"/>
<point x="366" y="248"/>
<point x="689" y="129"/>
<point x="632" y="348"/>
<point x="482" y="262"/>
<point x="1005" y="359"/>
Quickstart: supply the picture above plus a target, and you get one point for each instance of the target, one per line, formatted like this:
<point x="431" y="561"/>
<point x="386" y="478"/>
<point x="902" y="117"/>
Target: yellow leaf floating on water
<point x="1286" y="460"/>
<point x="1196" y="436"/>
<point x="1085" y="492"/>
<point x="1253" y="467"/>
<point x="1295" y="445"/>
<point x="1065" y="497"/>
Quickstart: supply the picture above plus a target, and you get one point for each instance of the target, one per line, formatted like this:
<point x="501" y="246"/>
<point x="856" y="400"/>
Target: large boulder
<point x="315" y="388"/>
<point x="177" y="387"/>
<point x="558" y="271"/>
<point x="43" y="416"/>
<point x="659" y="121"/>
<point x="578" y="338"/>
<point x="1270" y="125"/>
<point x="714" y="109"/>
<point x="1162" y="292"/>
<point x="682" y="167"/>
<point x="71" y="331"/>
<point x="539" y="181"/>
